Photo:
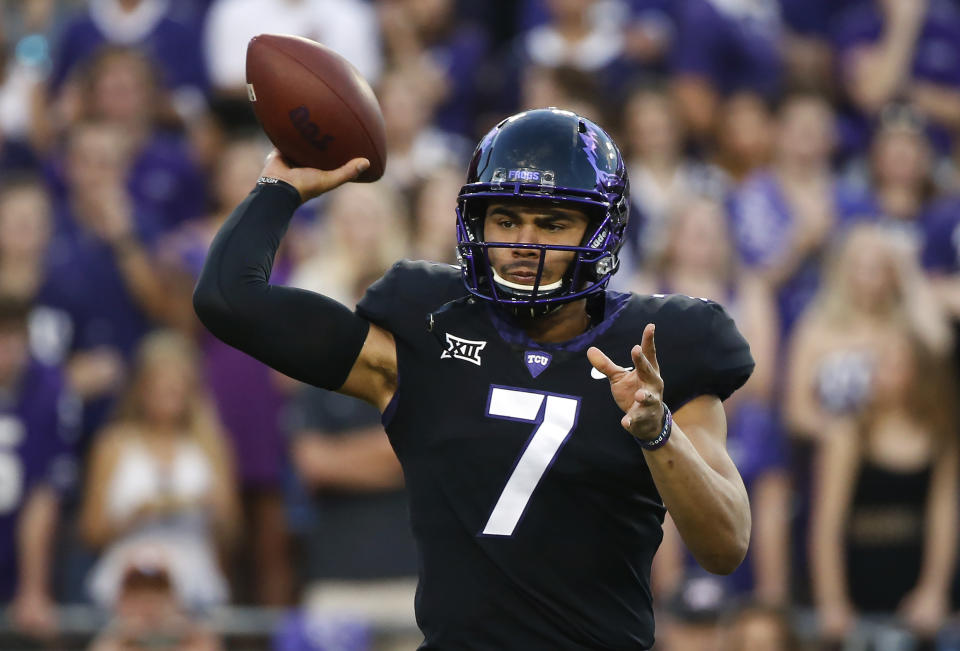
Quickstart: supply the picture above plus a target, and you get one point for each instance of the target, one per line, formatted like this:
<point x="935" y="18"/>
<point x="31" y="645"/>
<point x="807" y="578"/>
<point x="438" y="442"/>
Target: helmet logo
<point x="525" y="175"/>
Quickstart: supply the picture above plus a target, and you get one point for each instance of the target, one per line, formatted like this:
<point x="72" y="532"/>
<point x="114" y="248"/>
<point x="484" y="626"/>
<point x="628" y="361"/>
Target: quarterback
<point x="544" y="424"/>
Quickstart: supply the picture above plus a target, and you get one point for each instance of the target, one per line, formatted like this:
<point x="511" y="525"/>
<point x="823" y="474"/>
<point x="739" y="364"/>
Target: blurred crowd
<point x="797" y="161"/>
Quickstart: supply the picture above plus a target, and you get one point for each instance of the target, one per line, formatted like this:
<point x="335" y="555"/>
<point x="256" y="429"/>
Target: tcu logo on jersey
<point x="465" y="349"/>
<point x="537" y="361"/>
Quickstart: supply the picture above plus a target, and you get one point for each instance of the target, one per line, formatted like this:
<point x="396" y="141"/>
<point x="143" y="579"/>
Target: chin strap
<point x="525" y="288"/>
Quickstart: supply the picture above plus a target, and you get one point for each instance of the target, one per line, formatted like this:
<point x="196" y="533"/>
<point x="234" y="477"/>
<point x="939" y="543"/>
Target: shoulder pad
<point x="708" y="355"/>
<point x="401" y="300"/>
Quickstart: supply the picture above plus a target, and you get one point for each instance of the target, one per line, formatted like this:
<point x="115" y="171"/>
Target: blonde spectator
<point x="698" y="259"/>
<point x="120" y="86"/>
<point x="161" y="473"/>
<point x="873" y="288"/>
<point x="884" y="522"/>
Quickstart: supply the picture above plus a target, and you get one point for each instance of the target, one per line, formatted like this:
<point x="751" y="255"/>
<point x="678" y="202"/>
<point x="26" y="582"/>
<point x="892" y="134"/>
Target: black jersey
<point x="534" y="512"/>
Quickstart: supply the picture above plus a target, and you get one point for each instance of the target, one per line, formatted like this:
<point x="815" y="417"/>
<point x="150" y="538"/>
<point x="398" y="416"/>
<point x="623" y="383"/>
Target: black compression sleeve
<point x="305" y="335"/>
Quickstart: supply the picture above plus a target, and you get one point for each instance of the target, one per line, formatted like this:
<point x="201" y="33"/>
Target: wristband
<point x="665" y="430"/>
<point x="272" y="182"/>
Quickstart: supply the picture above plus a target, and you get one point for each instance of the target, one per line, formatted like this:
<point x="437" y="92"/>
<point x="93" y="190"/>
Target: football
<point x="314" y="105"/>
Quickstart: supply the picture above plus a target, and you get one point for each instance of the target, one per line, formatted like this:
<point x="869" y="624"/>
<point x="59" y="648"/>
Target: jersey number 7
<point x="555" y="417"/>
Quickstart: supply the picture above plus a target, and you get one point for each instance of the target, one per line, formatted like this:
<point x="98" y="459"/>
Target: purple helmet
<point x="544" y="155"/>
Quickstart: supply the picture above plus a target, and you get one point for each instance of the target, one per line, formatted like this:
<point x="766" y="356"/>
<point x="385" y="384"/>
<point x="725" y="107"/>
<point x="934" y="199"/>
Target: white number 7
<point x="555" y="421"/>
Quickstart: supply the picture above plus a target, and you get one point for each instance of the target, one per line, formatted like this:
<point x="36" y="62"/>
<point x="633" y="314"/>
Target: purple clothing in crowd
<point x="535" y="12"/>
<point x="762" y="227"/>
<point x="245" y="392"/>
<point x="941" y="241"/>
<point x="17" y="158"/>
<point x="38" y="425"/>
<point x="165" y="184"/>
<point x="733" y="53"/>
<point x="460" y="57"/>
<point x="86" y="289"/>
<point x="936" y="58"/>
<point x="83" y="279"/>
<point x="173" y="46"/>
<point x="812" y="18"/>
<point x="756" y="443"/>
<point x="165" y="181"/>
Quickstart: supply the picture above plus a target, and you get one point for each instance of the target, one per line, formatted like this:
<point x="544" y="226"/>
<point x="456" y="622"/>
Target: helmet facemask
<point x="552" y="156"/>
<point x="594" y="258"/>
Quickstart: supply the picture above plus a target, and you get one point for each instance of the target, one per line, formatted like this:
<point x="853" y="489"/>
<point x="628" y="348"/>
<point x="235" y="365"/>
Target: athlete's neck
<point x="564" y="324"/>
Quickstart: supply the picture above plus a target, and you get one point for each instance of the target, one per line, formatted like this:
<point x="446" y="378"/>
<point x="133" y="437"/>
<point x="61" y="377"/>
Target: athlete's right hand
<point x="308" y="181"/>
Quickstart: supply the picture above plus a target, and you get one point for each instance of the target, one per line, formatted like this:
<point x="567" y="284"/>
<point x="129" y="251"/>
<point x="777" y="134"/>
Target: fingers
<point x="346" y="172"/>
<point x="311" y="182"/>
<point x="645" y="354"/>
<point x="645" y="415"/>
<point x="603" y="363"/>
<point x="649" y="346"/>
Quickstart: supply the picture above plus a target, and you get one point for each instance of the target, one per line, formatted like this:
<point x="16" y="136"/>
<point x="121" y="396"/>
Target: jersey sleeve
<point x="714" y="359"/>
<point x="402" y="300"/>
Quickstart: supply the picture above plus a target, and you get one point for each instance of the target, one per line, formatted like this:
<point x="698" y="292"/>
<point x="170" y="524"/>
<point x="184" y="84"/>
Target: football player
<point x="541" y="432"/>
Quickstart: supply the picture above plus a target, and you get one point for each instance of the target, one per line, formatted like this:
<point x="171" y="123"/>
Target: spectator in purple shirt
<point x="891" y="50"/>
<point x="144" y="24"/>
<point x="724" y="46"/>
<point x="428" y="36"/>
<point x="99" y="270"/>
<point x="582" y="35"/>
<point x="650" y="31"/>
<point x="119" y="85"/>
<point x="25" y="230"/>
<point x="784" y="216"/>
<point x="38" y="420"/>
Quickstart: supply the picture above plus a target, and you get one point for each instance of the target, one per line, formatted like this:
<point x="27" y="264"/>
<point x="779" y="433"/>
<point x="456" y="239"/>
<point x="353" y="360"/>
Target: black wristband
<point x="665" y="430"/>
<point x="269" y="181"/>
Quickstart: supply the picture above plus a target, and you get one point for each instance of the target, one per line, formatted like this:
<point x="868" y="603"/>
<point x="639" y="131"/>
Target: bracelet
<point x="664" y="435"/>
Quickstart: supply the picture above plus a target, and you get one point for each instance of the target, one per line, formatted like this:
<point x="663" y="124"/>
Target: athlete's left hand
<point x="637" y="391"/>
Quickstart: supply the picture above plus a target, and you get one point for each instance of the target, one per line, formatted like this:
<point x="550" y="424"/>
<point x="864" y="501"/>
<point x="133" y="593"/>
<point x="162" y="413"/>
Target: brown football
<point x="314" y="105"/>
